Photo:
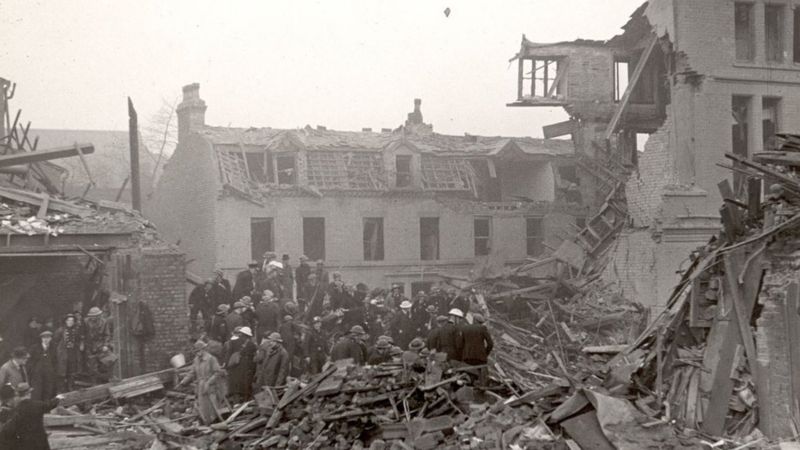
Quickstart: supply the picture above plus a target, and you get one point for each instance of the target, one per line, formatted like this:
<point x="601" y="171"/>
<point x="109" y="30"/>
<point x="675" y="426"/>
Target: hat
<point x="46" y="333"/>
<point x="456" y="312"/>
<point x="252" y="264"/>
<point x="94" y="311"/>
<point x="405" y="304"/>
<point x="356" y="329"/>
<point x="285" y="256"/>
<point x="275" y="337"/>
<point x="396" y="286"/>
<point x="287" y="317"/>
<point x="268" y="294"/>
<point x="246" y="331"/>
<point x="223" y="308"/>
<point x="478" y="318"/>
<point x="395" y="351"/>
<point x="441" y="318"/>
<point x="382" y="343"/>
<point x="246" y="301"/>
<point x="20" y="352"/>
<point x="23" y="388"/>
<point x="238" y="305"/>
<point x="386" y="338"/>
<point x="316" y="319"/>
<point x="303" y="258"/>
<point x="290" y="307"/>
<point x="430" y="309"/>
<point x="275" y="264"/>
<point x="70" y="316"/>
<point x="420" y="293"/>
<point x="200" y="345"/>
<point x="416" y="344"/>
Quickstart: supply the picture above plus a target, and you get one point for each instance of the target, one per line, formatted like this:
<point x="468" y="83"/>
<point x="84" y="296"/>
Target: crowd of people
<point x="277" y="321"/>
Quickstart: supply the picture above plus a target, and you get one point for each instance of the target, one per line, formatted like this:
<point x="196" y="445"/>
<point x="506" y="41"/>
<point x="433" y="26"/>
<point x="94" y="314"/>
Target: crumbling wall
<point x="526" y="179"/>
<point x="162" y="283"/>
<point x="182" y="206"/>
<point x="656" y="170"/>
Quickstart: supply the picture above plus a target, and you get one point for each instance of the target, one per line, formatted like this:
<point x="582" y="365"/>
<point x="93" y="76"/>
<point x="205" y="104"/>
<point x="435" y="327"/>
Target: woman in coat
<point x="208" y="391"/>
<point x="68" y="351"/>
<point x="240" y="365"/>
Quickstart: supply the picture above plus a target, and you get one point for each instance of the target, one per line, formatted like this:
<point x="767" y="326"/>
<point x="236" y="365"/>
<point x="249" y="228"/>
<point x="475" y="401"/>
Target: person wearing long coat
<point x="273" y="362"/>
<point x="43" y="368"/>
<point x="241" y="365"/>
<point x="209" y="390"/>
<point x="28" y="425"/>
<point x="68" y="352"/>
<point x="315" y="347"/>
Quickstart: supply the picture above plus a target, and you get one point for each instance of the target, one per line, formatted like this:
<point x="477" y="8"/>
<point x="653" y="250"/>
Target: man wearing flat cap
<point x="43" y="365"/>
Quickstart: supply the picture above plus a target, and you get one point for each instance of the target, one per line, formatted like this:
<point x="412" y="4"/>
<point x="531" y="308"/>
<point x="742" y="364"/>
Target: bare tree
<point x="161" y="133"/>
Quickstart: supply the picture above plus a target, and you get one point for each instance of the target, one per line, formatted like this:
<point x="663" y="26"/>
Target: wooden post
<point x="520" y="76"/>
<point x="133" y="135"/>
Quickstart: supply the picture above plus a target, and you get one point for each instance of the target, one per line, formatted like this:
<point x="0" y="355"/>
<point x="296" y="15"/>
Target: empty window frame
<point x="744" y="34"/>
<point x="258" y="166"/>
<point x="534" y="236"/>
<point x="286" y="170"/>
<point x="740" y="133"/>
<point x="429" y="238"/>
<point x="621" y="76"/>
<point x="262" y="238"/>
<point x="796" y="36"/>
<point x="482" y="234"/>
<point x="770" y="121"/>
<point x="540" y="77"/>
<point x="403" y="170"/>
<point x="773" y="32"/>
<point x="314" y="237"/>
<point x="373" y="239"/>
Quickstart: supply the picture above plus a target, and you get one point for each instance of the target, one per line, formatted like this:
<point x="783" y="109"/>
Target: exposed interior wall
<point x="183" y="205"/>
<point x="44" y="286"/>
<point x="526" y="179"/>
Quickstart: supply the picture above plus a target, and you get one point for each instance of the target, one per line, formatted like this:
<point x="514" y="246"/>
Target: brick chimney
<point x="191" y="111"/>
<point x="415" y="118"/>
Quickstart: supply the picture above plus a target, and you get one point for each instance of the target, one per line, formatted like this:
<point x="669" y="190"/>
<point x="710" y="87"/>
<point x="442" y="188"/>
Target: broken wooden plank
<point x="31" y="198"/>
<point x="559" y="129"/>
<point x="101" y="391"/>
<point x="632" y="83"/>
<point x="45" y="155"/>
<point x="605" y="348"/>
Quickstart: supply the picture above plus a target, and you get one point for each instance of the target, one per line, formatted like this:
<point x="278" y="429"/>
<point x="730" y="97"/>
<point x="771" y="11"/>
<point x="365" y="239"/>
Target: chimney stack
<point x="191" y="111"/>
<point x="415" y="118"/>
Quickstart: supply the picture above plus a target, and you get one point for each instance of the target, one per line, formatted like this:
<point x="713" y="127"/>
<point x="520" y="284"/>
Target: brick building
<point x="392" y="206"/>
<point x="661" y="103"/>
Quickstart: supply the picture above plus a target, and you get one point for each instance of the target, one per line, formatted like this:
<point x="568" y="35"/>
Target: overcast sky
<point x="285" y="64"/>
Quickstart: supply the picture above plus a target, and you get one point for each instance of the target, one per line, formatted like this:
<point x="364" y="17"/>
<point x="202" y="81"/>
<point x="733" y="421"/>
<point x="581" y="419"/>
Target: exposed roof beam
<point x="45" y="155"/>
<point x="623" y="103"/>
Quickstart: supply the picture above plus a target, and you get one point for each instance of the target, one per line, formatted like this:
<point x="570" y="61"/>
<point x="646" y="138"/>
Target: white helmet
<point x="456" y="312"/>
<point x="246" y="331"/>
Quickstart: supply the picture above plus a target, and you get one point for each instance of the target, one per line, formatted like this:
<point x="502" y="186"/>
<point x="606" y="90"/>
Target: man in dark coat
<point x="222" y="288"/>
<point x="478" y="345"/>
<point x="200" y="300"/>
<point x="451" y="339"/>
<point x="240" y="364"/>
<point x="43" y="367"/>
<point x="246" y="282"/>
<point x="273" y="362"/>
<point x="219" y="325"/>
<point x="287" y="278"/>
<point x="315" y="347"/>
<point x="434" y="340"/>
<point x="351" y="346"/>
<point x="31" y="336"/>
<point x="301" y="278"/>
<point x="234" y="318"/>
<point x="380" y="353"/>
<point x="28" y="425"/>
<point x="290" y="333"/>
<point x="268" y="315"/>
<point x="403" y="327"/>
<point x="315" y="296"/>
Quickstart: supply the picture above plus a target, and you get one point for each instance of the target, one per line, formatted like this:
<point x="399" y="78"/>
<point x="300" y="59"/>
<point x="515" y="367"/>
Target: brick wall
<point x="656" y="169"/>
<point x="162" y="288"/>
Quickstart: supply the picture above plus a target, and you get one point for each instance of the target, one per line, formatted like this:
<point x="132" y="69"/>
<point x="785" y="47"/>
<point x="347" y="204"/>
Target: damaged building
<point x="60" y="253"/>
<point x="404" y="205"/>
<point x="660" y="104"/>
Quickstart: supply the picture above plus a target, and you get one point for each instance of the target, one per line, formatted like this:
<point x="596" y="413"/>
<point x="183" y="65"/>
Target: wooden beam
<point x="555" y="130"/>
<point x="45" y="155"/>
<point x="32" y="198"/>
<point x="559" y="76"/>
<point x="634" y="80"/>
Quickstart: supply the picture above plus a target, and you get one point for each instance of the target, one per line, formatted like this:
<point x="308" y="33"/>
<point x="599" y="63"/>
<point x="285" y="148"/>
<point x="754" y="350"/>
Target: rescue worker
<point x="97" y="334"/>
<point x="451" y="340"/>
<point x="207" y="372"/>
<point x="315" y="296"/>
<point x="291" y="335"/>
<point x="286" y="278"/>
<point x="246" y="281"/>
<point x="435" y="335"/>
<point x="301" y="278"/>
<point x="240" y="365"/>
<point x="219" y="325"/>
<point x="380" y="353"/>
<point x="43" y="367"/>
<point x="351" y="346"/>
<point x="273" y="362"/>
<point x="315" y="347"/>
<point x="478" y="345"/>
<point x="222" y="289"/>
<point x="234" y="318"/>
